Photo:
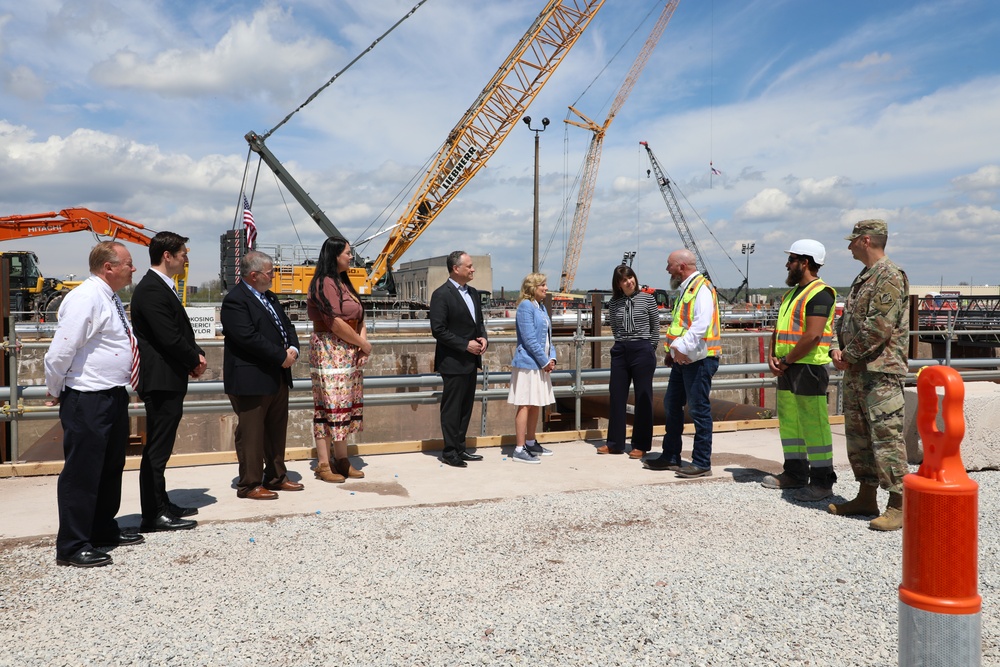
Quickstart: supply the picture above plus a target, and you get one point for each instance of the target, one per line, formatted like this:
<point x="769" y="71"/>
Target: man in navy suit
<point x="457" y="324"/>
<point x="261" y="348"/>
<point x="168" y="356"/>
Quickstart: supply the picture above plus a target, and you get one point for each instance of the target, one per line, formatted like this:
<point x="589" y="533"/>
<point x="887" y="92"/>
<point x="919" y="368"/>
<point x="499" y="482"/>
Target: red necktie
<point x="134" y="375"/>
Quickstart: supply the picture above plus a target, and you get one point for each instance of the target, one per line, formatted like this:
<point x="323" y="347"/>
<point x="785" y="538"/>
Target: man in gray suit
<point x="458" y="326"/>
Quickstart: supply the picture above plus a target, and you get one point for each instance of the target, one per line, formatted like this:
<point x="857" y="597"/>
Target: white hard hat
<point x="809" y="247"/>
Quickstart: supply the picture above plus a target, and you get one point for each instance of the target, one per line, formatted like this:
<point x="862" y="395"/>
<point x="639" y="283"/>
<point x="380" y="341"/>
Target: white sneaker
<point x="524" y="456"/>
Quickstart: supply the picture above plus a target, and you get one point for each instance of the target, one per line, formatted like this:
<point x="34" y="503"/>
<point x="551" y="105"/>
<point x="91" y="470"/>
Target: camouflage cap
<point x="873" y="227"/>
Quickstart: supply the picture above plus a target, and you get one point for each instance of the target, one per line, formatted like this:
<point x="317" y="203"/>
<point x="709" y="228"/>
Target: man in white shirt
<point x="92" y="359"/>
<point x="694" y="348"/>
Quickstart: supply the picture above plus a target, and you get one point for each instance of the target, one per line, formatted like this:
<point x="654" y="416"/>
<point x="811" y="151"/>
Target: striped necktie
<point x="274" y="316"/>
<point x="134" y="374"/>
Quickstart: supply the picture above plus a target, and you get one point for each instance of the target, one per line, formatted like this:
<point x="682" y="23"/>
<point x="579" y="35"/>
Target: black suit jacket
<point x="167" y="349"/>
<point x="453" y="328"/>
<point x="255" y="348"/>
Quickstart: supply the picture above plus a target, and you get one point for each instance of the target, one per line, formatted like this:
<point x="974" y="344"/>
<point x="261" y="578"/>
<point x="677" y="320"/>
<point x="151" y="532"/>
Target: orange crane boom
<point x="487" y="122"/>
<point x="99" y="223"/>
<point x="587" y="182"/>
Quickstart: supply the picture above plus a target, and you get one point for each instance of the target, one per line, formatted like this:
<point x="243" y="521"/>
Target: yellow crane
<point x="593" y="158"/>
<point x="473" y="140"/>
<point x="487" y="123"/>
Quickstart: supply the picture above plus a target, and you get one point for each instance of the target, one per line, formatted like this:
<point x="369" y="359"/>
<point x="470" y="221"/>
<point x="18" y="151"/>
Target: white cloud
<point x="870" y="60"/>
<point x="982" y="186"/>
<point x="768" y="204"/>
<point x="249" y="60"/>
<point x="833" y="191"/>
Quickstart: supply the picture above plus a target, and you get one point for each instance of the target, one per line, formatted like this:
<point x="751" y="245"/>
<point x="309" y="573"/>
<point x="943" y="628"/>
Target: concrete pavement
<point x="403" y="479"/>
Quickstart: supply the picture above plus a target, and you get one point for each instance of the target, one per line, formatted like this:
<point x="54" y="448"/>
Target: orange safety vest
<point x="683" y="314"/>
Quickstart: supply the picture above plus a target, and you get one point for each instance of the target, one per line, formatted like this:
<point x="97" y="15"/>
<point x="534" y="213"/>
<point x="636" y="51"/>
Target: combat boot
<point x="865" y="504"/>
<point x="892" y="517"/>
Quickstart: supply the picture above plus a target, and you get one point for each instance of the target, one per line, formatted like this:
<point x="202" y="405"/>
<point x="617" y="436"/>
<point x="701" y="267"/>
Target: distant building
<point x="961" y="290"/>
<point x="416" y="280"/>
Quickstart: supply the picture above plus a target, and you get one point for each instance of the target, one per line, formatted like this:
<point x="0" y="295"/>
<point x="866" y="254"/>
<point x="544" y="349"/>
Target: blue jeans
<point x="690" y="384"/>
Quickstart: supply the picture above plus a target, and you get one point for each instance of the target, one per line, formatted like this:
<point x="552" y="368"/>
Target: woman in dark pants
<point x="635" y="324"/>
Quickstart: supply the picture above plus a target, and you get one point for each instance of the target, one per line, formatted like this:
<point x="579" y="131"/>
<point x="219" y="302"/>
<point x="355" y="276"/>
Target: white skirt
<point x="530" y="387"/>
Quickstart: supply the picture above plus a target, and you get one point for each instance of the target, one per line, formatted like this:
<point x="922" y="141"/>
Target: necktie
<point x="134" y="375"/>
<point x="274" y="316"/>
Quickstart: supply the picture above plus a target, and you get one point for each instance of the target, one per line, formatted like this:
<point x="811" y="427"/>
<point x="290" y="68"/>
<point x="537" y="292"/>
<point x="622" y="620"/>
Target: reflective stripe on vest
<point x="683" y="314"/>
<point x="792" y="325"/>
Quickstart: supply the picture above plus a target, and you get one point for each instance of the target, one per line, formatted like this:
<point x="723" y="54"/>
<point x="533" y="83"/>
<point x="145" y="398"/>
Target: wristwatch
<point x="783" y="360"/>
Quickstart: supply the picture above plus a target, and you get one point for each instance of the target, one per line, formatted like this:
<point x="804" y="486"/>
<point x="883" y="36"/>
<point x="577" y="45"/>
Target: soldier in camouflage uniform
<point x="873" y="334"/>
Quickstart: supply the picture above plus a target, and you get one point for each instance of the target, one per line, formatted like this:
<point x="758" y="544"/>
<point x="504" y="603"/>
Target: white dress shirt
<point x="692" y="343"/>
<point x="90" y="349"/>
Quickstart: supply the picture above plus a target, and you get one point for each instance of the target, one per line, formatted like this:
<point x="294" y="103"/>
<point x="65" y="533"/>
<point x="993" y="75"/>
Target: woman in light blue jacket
<point x="531" y="369"/>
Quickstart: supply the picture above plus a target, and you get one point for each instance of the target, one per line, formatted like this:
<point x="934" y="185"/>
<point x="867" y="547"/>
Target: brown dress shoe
<point x="286" y="485"/>
<point x="345" y="469"/>
<point x="636" y="454"/>
<point x="324" y="473"/>
<point x="260" y="493"/>
<point x="604" y="449"/>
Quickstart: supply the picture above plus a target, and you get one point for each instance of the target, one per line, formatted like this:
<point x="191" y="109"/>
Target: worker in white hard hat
<point x="800" y="352"/>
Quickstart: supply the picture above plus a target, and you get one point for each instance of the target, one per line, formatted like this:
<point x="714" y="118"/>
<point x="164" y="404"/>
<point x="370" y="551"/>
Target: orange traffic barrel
<point x="939" y="606"/>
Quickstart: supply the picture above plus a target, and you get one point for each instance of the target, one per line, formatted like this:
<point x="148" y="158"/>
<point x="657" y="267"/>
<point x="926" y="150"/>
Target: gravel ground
<point x="710" y="572"/>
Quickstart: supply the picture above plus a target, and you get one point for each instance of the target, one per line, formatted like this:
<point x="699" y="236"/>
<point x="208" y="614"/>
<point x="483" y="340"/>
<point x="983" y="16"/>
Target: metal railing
<point x="575" y="382"/>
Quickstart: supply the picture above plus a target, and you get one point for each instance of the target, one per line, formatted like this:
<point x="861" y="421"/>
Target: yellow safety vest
<point x="792" y="324"/>
<point x="683" y="314"/>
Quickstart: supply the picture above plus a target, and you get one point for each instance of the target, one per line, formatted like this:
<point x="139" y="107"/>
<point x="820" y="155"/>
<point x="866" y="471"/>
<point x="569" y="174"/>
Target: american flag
<point x="715" y="171"/>
<point x="249" y="224"/>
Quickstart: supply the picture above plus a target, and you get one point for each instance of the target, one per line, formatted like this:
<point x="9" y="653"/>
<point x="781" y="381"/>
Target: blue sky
<point x="818" y="114"/>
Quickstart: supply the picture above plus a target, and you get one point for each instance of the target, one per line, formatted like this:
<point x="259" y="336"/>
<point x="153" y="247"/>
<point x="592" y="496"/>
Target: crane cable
<point x="347" y="67"/>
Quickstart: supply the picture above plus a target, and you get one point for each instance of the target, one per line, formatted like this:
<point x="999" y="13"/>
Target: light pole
<point x="748" y="250"/>
<point x="534" y="227"/>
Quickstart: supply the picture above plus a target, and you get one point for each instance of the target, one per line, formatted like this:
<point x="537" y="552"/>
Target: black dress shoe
<point x="166" y="522"/>
<point x="181" y="512"/>
<point x="86" y="558"/>
<point x="456" y="463"/>
<point x="466" y="456"/>
<point x="661" y="463"/>
<point x="123" y="540"/>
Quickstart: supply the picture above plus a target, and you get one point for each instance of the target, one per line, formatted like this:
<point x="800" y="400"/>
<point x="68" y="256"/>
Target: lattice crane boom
<point x="675" y="210"/>
<point x="592" y="160"/>
<point x="487" y="122"/>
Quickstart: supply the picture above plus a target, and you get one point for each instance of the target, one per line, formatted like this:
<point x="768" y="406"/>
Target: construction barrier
<point x="939" y="607"/>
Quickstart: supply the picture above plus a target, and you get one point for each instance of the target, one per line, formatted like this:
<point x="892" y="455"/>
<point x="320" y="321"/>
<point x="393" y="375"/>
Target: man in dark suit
<point x="261" y="348"/>
<point x="169" y="356"/>
<point x="457" y="324"/>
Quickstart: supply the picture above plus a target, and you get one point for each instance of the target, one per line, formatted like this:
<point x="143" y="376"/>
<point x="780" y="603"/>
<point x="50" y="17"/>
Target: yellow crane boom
<point x="487" y="122"/>
<point x="586" y="192"/>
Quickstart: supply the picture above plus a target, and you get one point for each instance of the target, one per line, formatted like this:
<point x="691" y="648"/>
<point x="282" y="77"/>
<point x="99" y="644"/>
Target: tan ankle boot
<point x="345" y="468"/>
<point x="892" y="517"/>
<point x="865" y="504"/>
<point x="324" y="473"/>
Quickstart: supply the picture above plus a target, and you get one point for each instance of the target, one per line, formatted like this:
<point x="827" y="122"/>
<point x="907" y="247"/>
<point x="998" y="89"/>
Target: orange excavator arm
<point x="102" y="225"/>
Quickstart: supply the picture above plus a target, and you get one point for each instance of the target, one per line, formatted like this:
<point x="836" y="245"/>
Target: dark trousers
<point x="260" y="438"/>
<point x="457" y="398"/>
<point x="89" y="491"/>
<point x="163" y="415"/>
<point x="690" y="384"/>
<point x="633" y="362"/>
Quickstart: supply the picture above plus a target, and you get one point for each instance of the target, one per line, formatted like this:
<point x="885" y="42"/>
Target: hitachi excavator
<point x="31" y="294"/>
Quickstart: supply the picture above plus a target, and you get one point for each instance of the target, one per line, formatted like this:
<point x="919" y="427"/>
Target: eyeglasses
<point x="795" y="258"/>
